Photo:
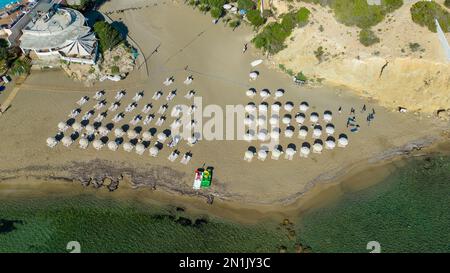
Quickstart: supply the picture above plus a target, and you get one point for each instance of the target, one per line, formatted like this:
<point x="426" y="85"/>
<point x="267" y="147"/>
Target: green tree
<point x="447" y="3"/>
<point x="21" y="66"/>
<point x="4" y="43"/>
<point x="255" y="18"/>
<point x="216" y="12"/>
<point x="108" y="36"/>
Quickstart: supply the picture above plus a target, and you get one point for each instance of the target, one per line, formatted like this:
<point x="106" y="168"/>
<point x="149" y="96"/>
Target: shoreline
<point x="321" y="193"/>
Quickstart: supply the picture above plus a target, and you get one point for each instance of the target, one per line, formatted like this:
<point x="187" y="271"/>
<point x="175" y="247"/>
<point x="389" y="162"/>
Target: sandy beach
<point x="213" y="54"/>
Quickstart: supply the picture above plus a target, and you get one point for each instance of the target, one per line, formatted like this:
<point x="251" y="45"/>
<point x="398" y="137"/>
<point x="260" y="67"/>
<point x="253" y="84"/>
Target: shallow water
<point x="109" y="225"/>
<point x="407" y="212"/>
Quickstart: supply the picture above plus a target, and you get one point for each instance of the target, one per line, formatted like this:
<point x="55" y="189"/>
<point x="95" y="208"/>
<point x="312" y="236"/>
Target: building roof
<point x="55" y="29"/>
<point x="83" y="46"/>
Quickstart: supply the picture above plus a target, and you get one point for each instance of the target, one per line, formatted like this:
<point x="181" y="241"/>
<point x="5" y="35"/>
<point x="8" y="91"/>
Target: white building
<point x="59" y="34"/>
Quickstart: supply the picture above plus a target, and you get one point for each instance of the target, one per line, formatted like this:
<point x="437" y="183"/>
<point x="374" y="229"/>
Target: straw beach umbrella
<point x="262" y="154"/>
<point x="261" y="121"/>
<point x="62" y="126"/>
<point x="51" y="142"/>
<point x="305" y="150"/>
<point x="303" y="132"/>
<point x="97" y="144"/>
<point x="249" y="135"/>
<point x="103" y="131"/>
<point x="118" y="132"/>
<point x="289" y="132"/>
<point x="329" y="129"/>
<point x="304" y="106"/>
<point x="276" y="152"/>
<point x="140" y="149"/>
<point x="327" y="116"/>
<point x="154" y="151"/>
<point x="132" y="134"/>
<point x="262" y="135"/>
<point x="250" y="107"/>
<point x="128" y="147"/>
<point x="248" y="155"/>
<point x="83" y="143"/>
<point x="89" y="129"/>
<point x="318" y="146"/>
<point x="67" y="141"/>
<point x="330" y="143"/>
<point x="253" y="75"/>
<point x="161" y="137"/>
<point x="251" y="92"/>
<point x="112" y="145"/>
<point x="263" y="107"/>
<point x="279" y="93"/>
<point x="289" y="106"/>
<point x="286" y="119"/>
<point x="275" y="133"/>
<point x="77" y="127"/>
<point x="343" y="140"/>
<point x="317" y="132"/>
<point x="264" y="94"/>
<point x="147" y="136"/>
<point x="276" y="106"/>
<point x="314" y="117"/>
<point x="274" y="120"/>
<point x="248" y="120"/>
<point x="290" y="151"/>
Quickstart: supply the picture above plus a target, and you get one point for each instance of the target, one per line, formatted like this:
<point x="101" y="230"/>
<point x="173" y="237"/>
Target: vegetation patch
<point x="273" y="36"/>
<point x="424" y="14"/>
<point x="367" y="37"/>
<point x="358" y="12"/>
<point x="108" y="36"/>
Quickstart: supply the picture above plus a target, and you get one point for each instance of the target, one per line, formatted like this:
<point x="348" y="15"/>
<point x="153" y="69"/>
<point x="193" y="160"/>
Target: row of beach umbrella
<point x="305" y="150"/>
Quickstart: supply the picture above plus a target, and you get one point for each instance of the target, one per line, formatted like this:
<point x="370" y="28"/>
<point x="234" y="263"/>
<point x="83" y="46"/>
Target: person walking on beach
<point x="245" y="48"/>
<point x="340" y="110"/>
<point x="186" y="67"/>
<point x="352" y="111"/>
<point x="373" y="111"/>
<point x="363" y="108"/>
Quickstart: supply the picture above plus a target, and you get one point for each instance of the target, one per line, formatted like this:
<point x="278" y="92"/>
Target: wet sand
<point x="214" y="57"/>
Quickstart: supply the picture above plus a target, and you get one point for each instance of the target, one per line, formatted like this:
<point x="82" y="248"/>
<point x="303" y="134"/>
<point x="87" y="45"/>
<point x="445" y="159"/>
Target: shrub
<point x="301" y="77"/>
<point x="414" y="47"/>
<point x="115" y="70"/>
<point x="246" y="4"/>
<point x="234" y="24"/>
<point x="255" y="18"/>
<point x="423" y="13"/>
<point x="447" y="3"/>
<point x="367" y="37"/>
<point x="360" y="13"/>
<point x="303" y="16"/>
<point x="319" y="53"/>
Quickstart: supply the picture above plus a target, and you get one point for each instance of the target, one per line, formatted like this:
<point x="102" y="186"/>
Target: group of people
<point x="351" y="120"/>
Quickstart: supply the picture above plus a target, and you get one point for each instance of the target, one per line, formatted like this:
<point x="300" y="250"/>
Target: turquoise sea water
<point x="3" y="3"/>
<point x="408" y="212"/>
